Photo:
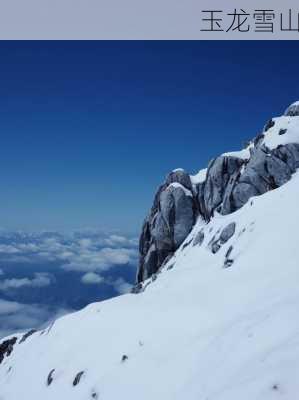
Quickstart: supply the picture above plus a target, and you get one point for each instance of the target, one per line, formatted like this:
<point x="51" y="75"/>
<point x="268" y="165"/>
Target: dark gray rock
<point x="170" y="267"/>
<point x="145" y="238"/>
<point x="179" y="176"/>
<point x="282" y="131"/>
<point x="215" y="246"/>
<point x="289" y="154"/>
<point x="137" y="288"/>
<point x="227" y="232"/>
<point x="278" y="171"/>
<point x="218" y="240"/>
<point x="228" y="262"/>
<point x="230" y="183"/>
<point x="26" y="335"/>
<point x="257" y="140"/>
<point x="50" y="377"/>
<point x="241" y="194"/>
<point x="200" y="199"/>
<point x="228" y="204"/>
<point x="6" y="348"/>
<point x="230" y="249"/>
<point x="266" y="170"/>
<point x="170" y="255"/>
<point x="220" y="172"/>
<point x="177" y="211"/>
<point x="148" y="264"/>
<point x="78" y="377"/>
<point x="170" y="220"/>
<point x="199" y="238"/>
<point x="186" y="244"/>
<point x="269" y="125"/>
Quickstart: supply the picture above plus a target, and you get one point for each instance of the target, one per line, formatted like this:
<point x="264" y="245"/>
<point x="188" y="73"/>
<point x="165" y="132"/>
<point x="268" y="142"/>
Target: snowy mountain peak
<point x="216" y="314"/>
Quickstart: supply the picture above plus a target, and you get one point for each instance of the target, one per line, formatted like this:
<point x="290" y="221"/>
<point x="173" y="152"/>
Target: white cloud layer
<point x="84" y="253"/>
<point x="121" y="286"/>
<point x="99" y="260"/>
<point x="91" y="278"/>
<point x="40" y="279"/>
<point x="90" y="253"/>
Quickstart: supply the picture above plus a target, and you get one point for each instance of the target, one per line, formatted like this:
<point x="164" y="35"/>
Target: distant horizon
<point x="70" y="231"/>
<point x="90" y="130"/>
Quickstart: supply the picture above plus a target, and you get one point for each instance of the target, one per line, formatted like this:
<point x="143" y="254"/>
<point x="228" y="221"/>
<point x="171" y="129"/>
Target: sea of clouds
<point x="44" y="275"/>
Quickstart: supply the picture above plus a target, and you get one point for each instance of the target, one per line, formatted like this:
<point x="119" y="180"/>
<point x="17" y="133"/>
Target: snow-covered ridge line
<point x="229" y="181"/>
<point x="221" y="323"/>
<point x="200" y="177"/>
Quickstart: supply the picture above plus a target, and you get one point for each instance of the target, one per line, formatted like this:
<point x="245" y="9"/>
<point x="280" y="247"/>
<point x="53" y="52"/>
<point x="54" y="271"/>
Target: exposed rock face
<point x="26" y="335"/>
<point x="269" y="125"/>
<point x="179" y="176"/>
<point x="265" y="170"/>
<point x="50" y="377"/>
<point x="170" y="220"/>
<point x="227" y="232"/>
<point x="220" y="172"/>
<point x="199" y="238"/>
<point x="231" y="180"/>
<point x="78" y="378"/>
<point x="6" y="348"/>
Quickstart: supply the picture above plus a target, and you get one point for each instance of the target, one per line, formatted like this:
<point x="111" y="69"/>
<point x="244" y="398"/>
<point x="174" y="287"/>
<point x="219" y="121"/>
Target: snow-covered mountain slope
<point x="199" y="331"/>
<point x="230" y="180"/>
<point x="219" y="321"/>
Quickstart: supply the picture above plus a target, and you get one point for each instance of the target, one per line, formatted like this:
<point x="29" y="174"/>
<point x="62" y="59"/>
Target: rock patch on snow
<point x="6" y="348"/>
<point x="78" y="377"/>
<point x="50" y="377"/>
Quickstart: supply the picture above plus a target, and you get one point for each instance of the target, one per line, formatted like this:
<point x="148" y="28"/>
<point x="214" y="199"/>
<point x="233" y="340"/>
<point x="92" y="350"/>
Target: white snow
<point x="272" y="138"/>
<point x="178" y="185"/>
<point x="200" y="177"/>
<point x="178" y="170"/>
<point x="198" y="332"/>
<point x="243" y="154"/>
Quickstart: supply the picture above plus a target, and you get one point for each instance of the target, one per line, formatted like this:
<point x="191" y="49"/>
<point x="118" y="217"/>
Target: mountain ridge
<point x="216" y="321"/>
<point x="230" y="180"/>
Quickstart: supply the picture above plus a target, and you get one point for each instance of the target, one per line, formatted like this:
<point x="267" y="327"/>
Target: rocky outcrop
<point x="6" y="348"/>
<point x="220" y="239"/>
<point x="265" y="170"/>
<point x="50" y="377"/>
<point x="231" y="180"/>
<point x="78" y="377"/>
<point x="27" y="335"/>
<point x="221" y="171"/>
<point x="170" y="220"/>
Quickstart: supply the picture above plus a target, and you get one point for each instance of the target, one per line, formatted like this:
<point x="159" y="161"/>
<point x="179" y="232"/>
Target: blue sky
<point x="90" y="129"/>
<point x="88" y="132"/>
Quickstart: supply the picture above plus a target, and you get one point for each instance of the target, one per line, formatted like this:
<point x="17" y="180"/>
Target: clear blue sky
<point x="89" y="129"/>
